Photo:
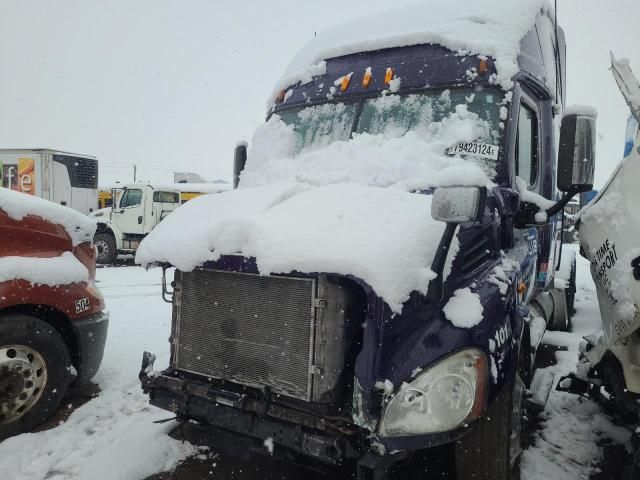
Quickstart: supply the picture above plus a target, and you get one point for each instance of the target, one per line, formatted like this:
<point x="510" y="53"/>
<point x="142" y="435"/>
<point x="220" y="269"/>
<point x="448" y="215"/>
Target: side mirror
<point x="239" y="160"/>
<point x="576" y="156"/>
<point x="458" y="204"/>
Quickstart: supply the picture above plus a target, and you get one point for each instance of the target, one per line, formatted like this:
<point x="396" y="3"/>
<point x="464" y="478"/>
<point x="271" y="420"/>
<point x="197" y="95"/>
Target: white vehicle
<point x="64" y="178"/>
<point x="610" y="239"/>
<point x="138" y="209"/>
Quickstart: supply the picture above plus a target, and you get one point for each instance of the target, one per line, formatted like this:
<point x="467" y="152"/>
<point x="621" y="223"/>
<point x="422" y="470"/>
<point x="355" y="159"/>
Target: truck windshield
<point x="392" y="116"/>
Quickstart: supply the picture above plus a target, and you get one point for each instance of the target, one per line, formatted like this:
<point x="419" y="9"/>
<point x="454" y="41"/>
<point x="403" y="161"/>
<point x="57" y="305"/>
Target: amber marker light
<point x="345" y="82"/>
<point x="483" y="67"/>
<point x="388" y="76"/>
<point x="522" y="288"/>
<point x="366" y="80"/>
<point x="280" y="97"/>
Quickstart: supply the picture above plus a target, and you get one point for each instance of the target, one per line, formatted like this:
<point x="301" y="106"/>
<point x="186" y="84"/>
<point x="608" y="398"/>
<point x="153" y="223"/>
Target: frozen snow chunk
<point x="464" y="309"/>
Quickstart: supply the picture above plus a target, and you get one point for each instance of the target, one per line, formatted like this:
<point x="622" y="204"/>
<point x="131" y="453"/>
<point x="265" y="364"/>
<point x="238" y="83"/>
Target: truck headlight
<point x="447" y="395"/>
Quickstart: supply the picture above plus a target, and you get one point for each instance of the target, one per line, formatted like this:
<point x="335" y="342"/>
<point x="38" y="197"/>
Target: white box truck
<point x="64" y="178"/>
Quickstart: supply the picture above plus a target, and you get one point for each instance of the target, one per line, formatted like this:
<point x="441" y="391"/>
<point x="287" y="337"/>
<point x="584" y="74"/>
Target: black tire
<point x="106" y="247"/>
<point x="491" y="451"/>
<point x="38" y="336"/>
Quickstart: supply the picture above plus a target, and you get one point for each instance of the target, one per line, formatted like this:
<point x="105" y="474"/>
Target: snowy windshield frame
<point x="393" y="115"/>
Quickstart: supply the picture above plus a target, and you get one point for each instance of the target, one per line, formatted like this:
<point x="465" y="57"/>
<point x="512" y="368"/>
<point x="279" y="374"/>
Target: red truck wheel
<point x="34" y="372"/>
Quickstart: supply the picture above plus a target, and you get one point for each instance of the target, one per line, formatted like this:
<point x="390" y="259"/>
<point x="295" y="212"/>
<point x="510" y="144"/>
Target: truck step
<point x="541" y="387"/>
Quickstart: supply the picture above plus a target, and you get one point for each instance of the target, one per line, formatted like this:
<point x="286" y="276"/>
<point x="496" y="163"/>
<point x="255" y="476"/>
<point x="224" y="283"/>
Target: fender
<point x="74" y="300"/>
<point x="107" y="226"/>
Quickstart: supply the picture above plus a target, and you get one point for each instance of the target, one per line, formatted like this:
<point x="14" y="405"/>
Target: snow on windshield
<point x="397" y="140"/>
<point x="483" y="27"/>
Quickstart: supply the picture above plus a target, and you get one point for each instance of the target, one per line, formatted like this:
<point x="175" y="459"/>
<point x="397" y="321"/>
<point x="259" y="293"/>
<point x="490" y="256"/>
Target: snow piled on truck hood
<point x="18" y="205"/>
<point x="483" y="27"/>
<point x="384" y="236"/>
<point x="344" y="208"/>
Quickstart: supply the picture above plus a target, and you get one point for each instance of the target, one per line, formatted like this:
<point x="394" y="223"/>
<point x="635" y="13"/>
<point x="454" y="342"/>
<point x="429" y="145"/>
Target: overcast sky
<point x="172" y="85"/>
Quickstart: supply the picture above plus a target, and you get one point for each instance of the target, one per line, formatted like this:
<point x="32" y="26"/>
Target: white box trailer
<point x="61" y="177"/>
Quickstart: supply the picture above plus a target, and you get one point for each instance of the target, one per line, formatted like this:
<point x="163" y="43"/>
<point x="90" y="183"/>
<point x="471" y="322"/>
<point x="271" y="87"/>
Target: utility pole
<point x="134" y="172"/>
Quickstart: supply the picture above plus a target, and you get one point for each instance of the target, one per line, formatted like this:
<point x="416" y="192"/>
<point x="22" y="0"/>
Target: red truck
<point x="53" y="323"/>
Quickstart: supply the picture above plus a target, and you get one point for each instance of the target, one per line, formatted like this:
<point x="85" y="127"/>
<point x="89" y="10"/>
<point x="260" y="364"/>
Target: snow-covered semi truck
<point x="378" y="284"/>
<point x="139" y="208"/>
<point x="65" y="178"/>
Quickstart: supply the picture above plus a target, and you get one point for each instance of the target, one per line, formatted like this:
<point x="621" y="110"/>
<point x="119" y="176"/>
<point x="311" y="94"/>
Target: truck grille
<point x="248" y="329"/>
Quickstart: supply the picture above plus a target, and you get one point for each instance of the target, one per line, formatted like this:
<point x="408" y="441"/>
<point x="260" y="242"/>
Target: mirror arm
<point x="436" y="286"/>
<point x="561" y="204"/>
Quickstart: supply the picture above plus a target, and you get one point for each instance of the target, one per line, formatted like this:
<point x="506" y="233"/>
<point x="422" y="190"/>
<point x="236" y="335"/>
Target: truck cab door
<point x="163" y="204"/>
<point x="129" y="215"/>
<point x="534" y="163"/>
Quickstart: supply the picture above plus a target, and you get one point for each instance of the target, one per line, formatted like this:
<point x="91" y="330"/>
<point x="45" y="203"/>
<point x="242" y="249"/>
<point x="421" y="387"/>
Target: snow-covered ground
<point x="569" y="445"/>
<point x="112" y="437"/>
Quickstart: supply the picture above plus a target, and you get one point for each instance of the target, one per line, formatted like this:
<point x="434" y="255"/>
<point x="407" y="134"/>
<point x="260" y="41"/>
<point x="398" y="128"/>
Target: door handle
<point x="140" y="220"/>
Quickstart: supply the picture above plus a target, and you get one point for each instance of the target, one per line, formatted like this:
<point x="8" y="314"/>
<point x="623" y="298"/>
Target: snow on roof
<point x="582" y="110"/>
<point x="18" y="205"/>
<point x="288" y="227"/>
<point x="484" y="27"/>
<point x="202" y="187"/>
<point x="183" y="187"/>
<point x="52" y="271"/>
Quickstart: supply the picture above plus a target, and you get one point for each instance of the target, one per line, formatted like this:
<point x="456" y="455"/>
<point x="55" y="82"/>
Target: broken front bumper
<point x="250" y="422"/>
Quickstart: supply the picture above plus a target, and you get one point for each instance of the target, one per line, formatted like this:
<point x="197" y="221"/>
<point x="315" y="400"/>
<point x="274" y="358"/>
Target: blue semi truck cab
<point x="365" y="384"/>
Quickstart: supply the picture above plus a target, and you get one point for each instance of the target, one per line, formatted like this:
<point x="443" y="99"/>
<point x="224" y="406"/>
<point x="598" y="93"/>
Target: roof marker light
<point x="388" y="76"/>
<point x="345" y="82"/>
<point x="483" y="67"/>
<point x="366" y="80"/>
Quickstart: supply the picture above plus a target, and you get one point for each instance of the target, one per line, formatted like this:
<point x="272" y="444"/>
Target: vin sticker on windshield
<point x="476" y="149"/>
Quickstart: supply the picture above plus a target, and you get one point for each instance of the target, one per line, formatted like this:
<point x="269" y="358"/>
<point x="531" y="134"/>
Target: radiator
<point x="248" y="329"/>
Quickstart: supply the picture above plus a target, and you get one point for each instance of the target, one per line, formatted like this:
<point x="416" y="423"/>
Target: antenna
<point x="559" y="86"/>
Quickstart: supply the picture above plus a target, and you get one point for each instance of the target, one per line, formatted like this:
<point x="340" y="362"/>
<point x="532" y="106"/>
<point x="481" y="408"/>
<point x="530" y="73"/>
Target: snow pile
<point x="464" y="309"/>
<point x="52" y="271"/>
<point x="479" y="27"/>
<point x="341" y="207"/>
<point x="384" y="236"/>
<point x="17" y="205"/>
<point x="413" y="160"/>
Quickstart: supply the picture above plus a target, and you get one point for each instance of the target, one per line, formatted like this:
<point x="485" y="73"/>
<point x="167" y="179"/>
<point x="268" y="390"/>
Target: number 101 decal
<point x="502" y="334"/>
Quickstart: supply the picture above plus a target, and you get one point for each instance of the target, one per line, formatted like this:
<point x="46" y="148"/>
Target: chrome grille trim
<point x="249" y="329"/>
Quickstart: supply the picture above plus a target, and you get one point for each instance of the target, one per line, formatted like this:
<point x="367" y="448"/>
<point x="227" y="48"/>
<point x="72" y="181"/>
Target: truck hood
<point x="384" y="236"/>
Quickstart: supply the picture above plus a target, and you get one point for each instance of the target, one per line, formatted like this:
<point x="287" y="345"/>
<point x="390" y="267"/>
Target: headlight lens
<point x="444" y="397"/>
